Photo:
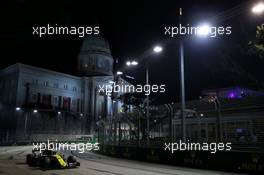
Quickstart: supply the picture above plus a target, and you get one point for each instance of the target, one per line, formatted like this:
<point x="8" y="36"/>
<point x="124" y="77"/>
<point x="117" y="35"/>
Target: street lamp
<point x="131" y="63"/>
<point x="119" y="73"/>
<point x="157" y="49"/>
<point x="182" y="82"/>
<point x="134" y="63"/>
<point x="258" y="8"/>
<point x="203" y="30"/>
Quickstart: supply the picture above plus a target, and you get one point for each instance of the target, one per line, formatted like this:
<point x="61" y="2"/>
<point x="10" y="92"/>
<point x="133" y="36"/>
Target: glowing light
<point x="131" y="63"/>
<point x="18" y="108"/>
<point x="157" y="49"/>
<point x="258" y="8"/>
<point x="35" y="111"/>
<point x="134" y="63"/>
<point x="231" y="95"/>
<point x="130" y="77"/>
<point x="203" y="30"/>
<point x="119" y="73"/>
<point x="59" y="112"/>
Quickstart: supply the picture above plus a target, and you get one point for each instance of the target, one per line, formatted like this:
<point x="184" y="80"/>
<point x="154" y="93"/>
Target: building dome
<point x="95" y="57"/>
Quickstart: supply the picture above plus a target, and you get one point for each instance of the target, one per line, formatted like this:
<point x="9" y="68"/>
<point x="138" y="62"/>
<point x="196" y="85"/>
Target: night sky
<point x="132" y="27"/>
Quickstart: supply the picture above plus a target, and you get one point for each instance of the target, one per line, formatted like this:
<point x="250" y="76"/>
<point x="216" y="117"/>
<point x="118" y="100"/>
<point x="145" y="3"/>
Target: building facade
<point x="39" y="104"/>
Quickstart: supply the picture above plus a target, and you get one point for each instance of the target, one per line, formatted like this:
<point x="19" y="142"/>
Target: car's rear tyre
<point x="71" y="159"/>
<point x="45" y="163"/>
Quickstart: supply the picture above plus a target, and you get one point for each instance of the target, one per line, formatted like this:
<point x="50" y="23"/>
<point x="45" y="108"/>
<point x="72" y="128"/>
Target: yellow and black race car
<point x="49" y="159"/>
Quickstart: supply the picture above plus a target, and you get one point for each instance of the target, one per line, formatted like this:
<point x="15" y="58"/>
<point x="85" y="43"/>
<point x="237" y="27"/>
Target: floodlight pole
<point x="181" y="50"/>
<point x="147" y="112"/>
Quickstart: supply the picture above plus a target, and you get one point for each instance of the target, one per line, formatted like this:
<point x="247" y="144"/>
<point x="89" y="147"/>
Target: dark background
<point x="132" y="27"/>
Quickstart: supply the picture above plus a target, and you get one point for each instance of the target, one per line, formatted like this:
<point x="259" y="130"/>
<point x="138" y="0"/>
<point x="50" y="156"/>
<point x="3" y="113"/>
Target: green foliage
<point x="256" y="47"/>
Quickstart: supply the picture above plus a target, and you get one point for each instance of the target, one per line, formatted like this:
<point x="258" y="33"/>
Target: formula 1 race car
<point x="49" y="159"/>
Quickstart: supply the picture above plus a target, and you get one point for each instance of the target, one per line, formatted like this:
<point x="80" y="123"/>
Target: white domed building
<point x="95" y="57"/>
<point x="39" y="104"/>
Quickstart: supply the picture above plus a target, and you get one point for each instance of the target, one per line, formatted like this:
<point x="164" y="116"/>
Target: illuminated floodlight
<point x="134" y="63"/>
<point x="18" y="108"/>
<point x="119" y="73"/>
<point x="59" y="112"/>
<point x="203" y="30"/>
<point x="258" y="8"/>
<point x="201" y="115"/>
<point x="131" y="63"/>
<point x="157" y="49"/>
<point x="81" y="114"/>
<point x="35" y="111"/>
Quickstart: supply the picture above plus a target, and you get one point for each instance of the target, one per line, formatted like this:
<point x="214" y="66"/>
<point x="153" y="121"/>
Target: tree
<point x="256" y="47"/>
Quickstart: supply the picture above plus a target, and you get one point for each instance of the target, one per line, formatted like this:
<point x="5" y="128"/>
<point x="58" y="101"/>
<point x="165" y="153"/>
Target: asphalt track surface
<point x="12" y="162"/>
